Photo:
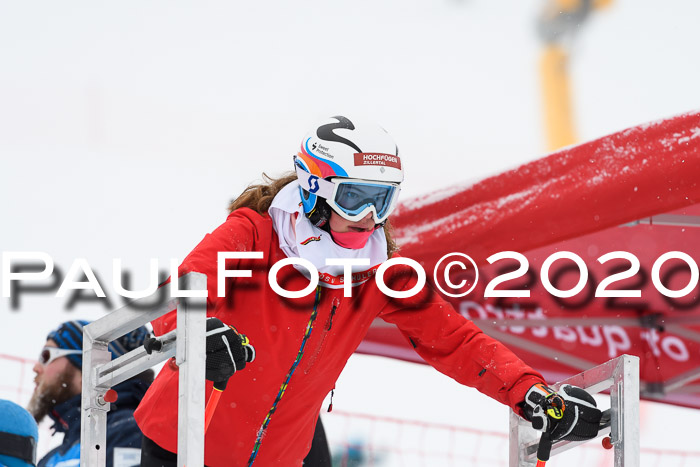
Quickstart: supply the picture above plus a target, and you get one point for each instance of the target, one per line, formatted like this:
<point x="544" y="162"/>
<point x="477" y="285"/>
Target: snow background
<point x="125" y="129"/>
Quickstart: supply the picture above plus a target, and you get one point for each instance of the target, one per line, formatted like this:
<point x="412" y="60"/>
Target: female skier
<point x="336" y="204"/>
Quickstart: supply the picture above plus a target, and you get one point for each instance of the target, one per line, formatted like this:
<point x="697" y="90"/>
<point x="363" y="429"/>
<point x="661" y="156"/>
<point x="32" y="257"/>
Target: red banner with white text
<point x="582" y="256"/>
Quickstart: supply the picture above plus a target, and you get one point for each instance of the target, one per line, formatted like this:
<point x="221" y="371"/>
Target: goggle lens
<point x="354" y="197"/>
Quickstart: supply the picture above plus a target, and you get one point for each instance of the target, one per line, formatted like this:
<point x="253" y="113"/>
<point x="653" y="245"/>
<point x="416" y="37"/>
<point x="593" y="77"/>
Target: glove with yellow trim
<point x="227" y="352"/>
<point x="569" y="414"/>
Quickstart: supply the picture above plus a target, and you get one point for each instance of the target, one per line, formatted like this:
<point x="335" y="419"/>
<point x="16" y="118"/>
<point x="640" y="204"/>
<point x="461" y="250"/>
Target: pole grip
<point x="544" y="449"/>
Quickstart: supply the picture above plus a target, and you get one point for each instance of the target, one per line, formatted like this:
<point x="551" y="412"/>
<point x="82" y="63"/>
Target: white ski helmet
<point x="353" y="166"/>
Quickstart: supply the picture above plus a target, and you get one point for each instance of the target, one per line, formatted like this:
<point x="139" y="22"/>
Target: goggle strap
<point x="315" y="184"/>
<point x="21" y="447"/>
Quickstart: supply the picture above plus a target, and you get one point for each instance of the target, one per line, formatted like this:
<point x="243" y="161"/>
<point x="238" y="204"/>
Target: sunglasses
<point x="49" y="354"/>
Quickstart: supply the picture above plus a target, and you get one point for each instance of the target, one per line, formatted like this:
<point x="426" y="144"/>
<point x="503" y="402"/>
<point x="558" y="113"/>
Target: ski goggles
<point x="353" y="198"/>
<point x="49" y="354"/>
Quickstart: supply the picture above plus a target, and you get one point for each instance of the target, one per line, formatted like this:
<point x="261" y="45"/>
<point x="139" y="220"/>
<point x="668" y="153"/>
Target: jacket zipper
<point x="283" y="388"/>
<point x="330" y="405"/>
<point x="319" y="347"/>
<point x="336" y="302"/>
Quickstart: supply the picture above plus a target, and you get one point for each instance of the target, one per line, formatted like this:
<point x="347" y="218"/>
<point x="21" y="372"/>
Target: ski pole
<point x="216" y="328"/>
<point x="544" y="449"/>
<point x="213" y="401"/>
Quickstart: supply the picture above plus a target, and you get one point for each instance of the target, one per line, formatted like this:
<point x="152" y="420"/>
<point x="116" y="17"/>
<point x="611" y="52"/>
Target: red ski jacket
<point x="276" y="326"/>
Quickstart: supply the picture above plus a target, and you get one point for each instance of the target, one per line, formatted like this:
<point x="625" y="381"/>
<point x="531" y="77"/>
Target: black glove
<point x="227" y="352"/>
<point x="570" y="414"/>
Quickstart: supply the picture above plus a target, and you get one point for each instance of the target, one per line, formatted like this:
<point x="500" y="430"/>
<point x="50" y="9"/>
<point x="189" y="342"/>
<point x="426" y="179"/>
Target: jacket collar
<point x="66" y="416"/>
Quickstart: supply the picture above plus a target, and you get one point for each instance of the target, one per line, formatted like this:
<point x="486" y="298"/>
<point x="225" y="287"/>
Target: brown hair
<point x="258" y="197"/>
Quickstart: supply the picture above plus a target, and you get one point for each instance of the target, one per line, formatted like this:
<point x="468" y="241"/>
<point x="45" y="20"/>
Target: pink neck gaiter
<point x="352" y="240"/>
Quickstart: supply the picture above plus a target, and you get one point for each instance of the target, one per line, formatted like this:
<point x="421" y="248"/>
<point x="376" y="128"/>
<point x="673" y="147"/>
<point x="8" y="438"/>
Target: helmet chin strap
<point x="320" y="215"/>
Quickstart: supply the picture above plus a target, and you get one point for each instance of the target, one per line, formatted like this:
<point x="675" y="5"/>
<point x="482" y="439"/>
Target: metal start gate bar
<point x="621" y="376"/>
<point x="187" y="343"/>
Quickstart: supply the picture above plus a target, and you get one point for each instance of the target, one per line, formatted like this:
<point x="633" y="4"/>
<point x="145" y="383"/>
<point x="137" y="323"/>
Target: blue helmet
<point x="18" y="436"/>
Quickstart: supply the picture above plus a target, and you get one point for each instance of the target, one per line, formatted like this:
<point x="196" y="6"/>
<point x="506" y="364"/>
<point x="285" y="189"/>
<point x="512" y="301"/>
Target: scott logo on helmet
<point x="313" y="184"/>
